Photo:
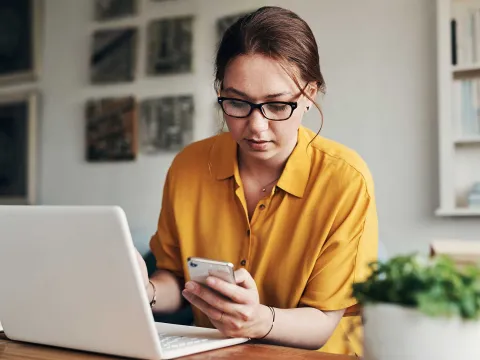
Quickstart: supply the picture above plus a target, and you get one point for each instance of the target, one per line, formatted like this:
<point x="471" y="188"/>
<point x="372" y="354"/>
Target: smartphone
<point x="200" y="268"/>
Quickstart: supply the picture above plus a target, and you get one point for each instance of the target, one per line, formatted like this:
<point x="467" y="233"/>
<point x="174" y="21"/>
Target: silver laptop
<point x="69" y="278"/>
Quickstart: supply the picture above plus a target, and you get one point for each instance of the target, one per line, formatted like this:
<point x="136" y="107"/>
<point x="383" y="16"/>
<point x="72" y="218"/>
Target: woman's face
<point x="258" y="79"/>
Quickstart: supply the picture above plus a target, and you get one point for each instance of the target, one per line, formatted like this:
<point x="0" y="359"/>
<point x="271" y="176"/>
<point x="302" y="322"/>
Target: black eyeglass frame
<point x="253" y="106"/>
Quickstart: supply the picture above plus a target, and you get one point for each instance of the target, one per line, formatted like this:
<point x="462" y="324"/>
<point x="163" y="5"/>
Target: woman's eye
<point x="238" y="104"/>
<point x="277" y="107"/>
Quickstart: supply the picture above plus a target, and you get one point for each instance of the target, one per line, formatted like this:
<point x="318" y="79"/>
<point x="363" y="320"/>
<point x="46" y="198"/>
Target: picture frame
<point x="21" y="26"/>
<point x="107" y="10"/>
<point x="170" y="46"/>
<point x="166" y="123"/>
<point x="113" y="56"/>
<point x="18" y="148"/>
<point x="225" y="22"/>
<point x="111" y="126"/>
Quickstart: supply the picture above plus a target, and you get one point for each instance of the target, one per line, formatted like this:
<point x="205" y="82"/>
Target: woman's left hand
<point x="238" y="313"/>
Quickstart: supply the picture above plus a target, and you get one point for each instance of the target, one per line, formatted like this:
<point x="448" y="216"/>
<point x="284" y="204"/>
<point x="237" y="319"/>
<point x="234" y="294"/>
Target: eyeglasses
<point x="273" y="110"/>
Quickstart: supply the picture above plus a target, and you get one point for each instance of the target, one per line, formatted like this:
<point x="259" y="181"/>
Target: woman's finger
<point x="213" y="298"/>
<point x="244" y="279"/>
<point x="229" y="325"/>
<point x="234" y="292"/>
<point x="207" y="309"/>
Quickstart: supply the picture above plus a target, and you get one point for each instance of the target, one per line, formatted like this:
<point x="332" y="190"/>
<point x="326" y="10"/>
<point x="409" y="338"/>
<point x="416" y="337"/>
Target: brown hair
<point x="279" y="34"/>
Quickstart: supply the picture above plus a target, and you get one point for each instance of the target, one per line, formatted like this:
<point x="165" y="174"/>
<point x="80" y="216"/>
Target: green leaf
<point x="436" y="287"/>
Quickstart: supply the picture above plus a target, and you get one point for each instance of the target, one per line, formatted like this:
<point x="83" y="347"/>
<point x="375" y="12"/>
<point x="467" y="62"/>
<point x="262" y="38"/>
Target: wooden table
<point x="11" y="350"/>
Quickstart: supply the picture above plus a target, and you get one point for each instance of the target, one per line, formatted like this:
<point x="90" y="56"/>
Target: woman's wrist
<point x="265" y="327"/>
<point x="151" y="293"/>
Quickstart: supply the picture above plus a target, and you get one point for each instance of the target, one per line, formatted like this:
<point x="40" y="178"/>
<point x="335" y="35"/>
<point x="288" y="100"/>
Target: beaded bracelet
<point x="273" y="320"/>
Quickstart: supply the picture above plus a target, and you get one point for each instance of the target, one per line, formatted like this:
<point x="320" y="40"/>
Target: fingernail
<point x="211" y="281"/>
<point x="185" y="293"/>
<point x="190" y="286"/>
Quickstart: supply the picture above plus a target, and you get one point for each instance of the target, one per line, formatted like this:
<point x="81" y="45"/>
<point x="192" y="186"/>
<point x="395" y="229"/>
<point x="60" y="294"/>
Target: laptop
<point x="69" y="278"/>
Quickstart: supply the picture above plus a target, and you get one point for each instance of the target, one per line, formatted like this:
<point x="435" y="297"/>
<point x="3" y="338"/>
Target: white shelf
<point x="465" y="68"/>
<point x="458" y="153"/>
<point x="468" y="140"/>
<point x="458" y="212"/>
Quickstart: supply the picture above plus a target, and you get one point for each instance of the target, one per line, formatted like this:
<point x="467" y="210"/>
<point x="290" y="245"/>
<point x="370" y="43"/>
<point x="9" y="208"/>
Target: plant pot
<point x="393" y="332"/>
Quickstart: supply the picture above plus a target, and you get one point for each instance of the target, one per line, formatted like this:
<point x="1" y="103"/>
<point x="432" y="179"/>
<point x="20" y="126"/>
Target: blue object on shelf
<point x="474" y="196"/>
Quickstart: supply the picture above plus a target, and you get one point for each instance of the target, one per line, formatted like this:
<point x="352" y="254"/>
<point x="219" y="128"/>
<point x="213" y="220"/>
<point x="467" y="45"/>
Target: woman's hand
<point x="143" y="268"/>
<point x="235" y="310"/>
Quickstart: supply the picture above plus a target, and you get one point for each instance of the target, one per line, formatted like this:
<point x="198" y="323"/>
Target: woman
<point x="294" y="212"/>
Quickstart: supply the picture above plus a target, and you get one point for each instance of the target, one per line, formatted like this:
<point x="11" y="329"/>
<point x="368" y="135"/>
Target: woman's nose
<point x="257" y="122"/>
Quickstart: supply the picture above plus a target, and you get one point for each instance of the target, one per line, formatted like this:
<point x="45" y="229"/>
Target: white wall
<point x="378" y="59"/>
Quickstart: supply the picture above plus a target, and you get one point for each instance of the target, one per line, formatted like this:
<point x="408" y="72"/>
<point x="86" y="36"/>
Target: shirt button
<point x="243" y="262"/>
<point x="248" y="232"/>
<point x="262" y="206"/>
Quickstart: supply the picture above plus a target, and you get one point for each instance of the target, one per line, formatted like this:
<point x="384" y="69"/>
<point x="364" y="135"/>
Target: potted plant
<point x="416" y="308"/>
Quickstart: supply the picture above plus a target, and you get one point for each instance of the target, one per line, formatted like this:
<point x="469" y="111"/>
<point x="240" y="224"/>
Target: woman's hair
<point x="279" y="34"/>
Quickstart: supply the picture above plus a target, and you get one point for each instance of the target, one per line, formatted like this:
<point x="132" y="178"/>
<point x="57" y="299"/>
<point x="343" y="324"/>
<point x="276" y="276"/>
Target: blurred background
<point x="97" y="97"/>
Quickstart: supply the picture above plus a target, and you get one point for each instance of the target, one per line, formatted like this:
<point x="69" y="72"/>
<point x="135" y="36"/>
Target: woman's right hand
<point x="143" y="269"/>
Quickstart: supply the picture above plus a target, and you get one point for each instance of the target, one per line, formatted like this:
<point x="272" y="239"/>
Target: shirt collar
<point x="294" y="179"/>
<point x="223" y="156"/>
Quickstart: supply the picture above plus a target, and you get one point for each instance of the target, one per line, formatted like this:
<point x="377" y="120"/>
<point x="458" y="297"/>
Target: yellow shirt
<point x="308" y="240"/>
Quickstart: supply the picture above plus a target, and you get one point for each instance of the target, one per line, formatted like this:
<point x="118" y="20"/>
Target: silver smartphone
<point x="199" y="269"/>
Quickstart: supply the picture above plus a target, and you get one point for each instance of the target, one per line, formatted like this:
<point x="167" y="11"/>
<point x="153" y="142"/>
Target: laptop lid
<point x="69" y="278"/>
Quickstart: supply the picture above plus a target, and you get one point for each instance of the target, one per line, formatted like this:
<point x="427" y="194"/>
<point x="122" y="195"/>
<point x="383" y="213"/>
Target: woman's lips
<point x="258" y="145"/>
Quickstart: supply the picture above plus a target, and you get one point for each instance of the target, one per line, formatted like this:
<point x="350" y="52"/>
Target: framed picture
<point x="170" y="44"/>
<point x="220" y="123"/>
<point x="225" y="22"/>
<point x="18" y="148"/>
<point x="114" y="9"/>
<point x="111" y="129"/>
<point x="113" y="57"/>
<point x="20" y="40"/>
<point x="166" y="123"/>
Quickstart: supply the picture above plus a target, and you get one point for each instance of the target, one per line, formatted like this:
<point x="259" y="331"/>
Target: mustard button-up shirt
<point x="308" y="241"/>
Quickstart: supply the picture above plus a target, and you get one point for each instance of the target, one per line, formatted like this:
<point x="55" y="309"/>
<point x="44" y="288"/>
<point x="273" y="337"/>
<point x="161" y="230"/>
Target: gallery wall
<point x="378" y="59"/>
<point x="69" y="83"/>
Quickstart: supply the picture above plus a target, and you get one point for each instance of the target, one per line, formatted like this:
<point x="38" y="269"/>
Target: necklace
<point x="264" y="188"/>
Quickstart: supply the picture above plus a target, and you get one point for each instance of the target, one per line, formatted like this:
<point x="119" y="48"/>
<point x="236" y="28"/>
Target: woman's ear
<point x="312" y="90"/>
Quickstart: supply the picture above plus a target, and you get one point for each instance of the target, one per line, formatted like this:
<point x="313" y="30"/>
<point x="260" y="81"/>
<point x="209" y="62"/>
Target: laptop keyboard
<point x="177" y="342"/>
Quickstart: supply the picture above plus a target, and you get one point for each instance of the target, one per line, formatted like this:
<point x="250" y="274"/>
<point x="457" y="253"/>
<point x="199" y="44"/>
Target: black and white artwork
<point x="17" y="149"/>
<point x="111" y="129"/>
<point x="220" y="125"/>
<point x="114" y="9"/>
<point x="20" y="36"/>
<point x="166" y="123"/>
<point x="113" y="57"/>
<point x="225" y="22"/>
<point x="170" y="44"/>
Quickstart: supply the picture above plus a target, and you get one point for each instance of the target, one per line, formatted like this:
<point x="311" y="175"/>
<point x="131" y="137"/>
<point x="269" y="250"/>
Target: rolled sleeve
<point x="165" y="243"/>
<point x="345" y="255"/>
